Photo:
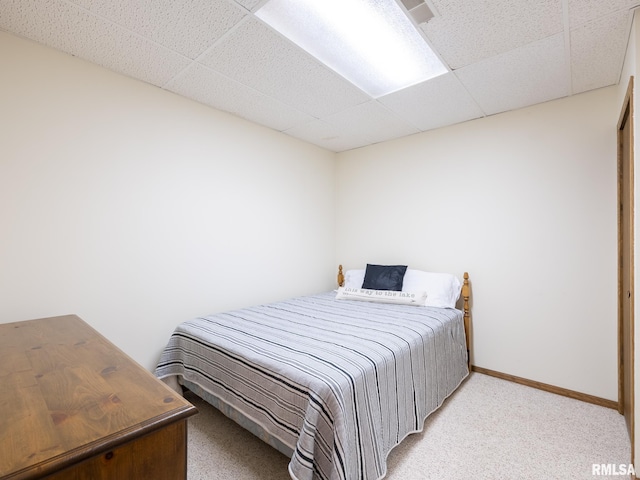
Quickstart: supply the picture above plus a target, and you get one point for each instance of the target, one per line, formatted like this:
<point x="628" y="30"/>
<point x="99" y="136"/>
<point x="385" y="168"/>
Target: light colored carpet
<point x="489" y="429"/>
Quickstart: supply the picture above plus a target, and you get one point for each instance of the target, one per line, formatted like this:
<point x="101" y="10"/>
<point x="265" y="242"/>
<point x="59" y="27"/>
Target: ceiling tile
<point x="357" y="126"/>
<point x="531" y="74"/>
<point x="74" y="30"/>
<point x="329" y="136"/>
<point x="435" y="103"/>
<point x="582" y="11"/>
<point x="378" y="121"/>
<point x="600" y="42"/>
<point x="187" y="26"/>
<point x="206" y="86"/>
<point x="255" y="55"/>
<point x="466" y="32"/>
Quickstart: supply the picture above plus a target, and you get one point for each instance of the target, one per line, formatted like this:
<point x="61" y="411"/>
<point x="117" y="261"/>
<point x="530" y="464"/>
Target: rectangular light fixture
<point x="371" y="43"/>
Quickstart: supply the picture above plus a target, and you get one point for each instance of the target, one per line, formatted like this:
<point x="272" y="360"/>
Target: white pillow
<point x="354" y="278"/>
<point x="382" y="296"/>
<point x="443" y="289"/>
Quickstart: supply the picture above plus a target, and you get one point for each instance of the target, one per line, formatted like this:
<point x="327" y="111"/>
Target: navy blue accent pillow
<point x="384" y="277"/>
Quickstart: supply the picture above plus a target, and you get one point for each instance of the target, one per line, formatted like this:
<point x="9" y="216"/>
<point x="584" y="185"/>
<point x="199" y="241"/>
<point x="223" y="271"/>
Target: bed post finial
<point x="340" y="277"/>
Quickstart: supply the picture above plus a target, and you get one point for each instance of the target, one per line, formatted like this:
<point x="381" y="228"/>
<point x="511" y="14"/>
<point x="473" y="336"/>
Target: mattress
<point x="337" y="382"/>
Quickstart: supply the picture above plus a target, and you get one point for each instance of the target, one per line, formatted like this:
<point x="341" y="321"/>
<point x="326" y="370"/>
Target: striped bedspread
<point x="340" y="382"/>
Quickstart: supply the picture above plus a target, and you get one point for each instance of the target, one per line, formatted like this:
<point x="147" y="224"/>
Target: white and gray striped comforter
<point x="340" y="382"/>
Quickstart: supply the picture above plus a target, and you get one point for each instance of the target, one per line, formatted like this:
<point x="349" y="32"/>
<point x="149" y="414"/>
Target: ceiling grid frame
<point x="594" y="36"/>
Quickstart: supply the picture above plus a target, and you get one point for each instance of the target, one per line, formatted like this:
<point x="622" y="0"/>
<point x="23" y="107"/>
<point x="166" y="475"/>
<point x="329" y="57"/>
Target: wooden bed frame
<point x="466" y="296"/>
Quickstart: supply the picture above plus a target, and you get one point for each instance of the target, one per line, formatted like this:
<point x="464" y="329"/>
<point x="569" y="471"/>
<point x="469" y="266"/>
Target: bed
<point x="332" y="382"/>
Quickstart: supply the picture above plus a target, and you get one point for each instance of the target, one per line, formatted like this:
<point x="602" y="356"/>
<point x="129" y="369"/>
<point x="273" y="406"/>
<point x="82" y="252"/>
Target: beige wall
<point x="137" y="209"/>
<point x="524" y="201"/>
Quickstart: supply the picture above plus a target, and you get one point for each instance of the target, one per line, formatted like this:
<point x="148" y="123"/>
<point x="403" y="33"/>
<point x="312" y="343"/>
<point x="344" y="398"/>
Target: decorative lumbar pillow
<point x="443" y="289"/>
<point x="382" y="296"/>
<point x="384" y="277"/>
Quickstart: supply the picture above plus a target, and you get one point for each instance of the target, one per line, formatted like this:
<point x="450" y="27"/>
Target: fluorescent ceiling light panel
<point x="372" y="43"/>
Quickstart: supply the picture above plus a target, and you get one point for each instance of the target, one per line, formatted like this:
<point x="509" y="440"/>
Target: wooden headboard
<point x="466" y="309"/>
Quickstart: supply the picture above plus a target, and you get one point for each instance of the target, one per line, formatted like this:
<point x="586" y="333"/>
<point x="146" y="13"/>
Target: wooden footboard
<point x="466" y="295"/>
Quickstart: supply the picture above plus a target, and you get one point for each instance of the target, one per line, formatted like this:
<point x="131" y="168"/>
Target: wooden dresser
<point x="73" y="406"/>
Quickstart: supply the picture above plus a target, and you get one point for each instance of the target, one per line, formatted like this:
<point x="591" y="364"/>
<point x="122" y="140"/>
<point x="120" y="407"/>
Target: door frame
<point x="626" y="116"/>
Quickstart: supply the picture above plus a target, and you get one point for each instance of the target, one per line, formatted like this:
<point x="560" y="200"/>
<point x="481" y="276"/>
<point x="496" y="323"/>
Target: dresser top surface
<point x="68" y="393"/>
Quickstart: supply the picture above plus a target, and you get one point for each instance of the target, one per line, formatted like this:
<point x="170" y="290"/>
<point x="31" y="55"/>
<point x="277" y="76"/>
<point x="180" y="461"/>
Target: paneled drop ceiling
<point x="502" y="55"/>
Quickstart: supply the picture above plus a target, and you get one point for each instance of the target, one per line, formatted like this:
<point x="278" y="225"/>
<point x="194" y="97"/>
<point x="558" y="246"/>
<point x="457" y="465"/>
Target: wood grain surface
<point x="68" y="394"/>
